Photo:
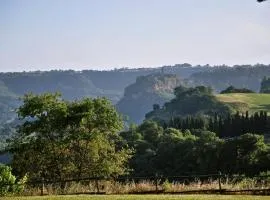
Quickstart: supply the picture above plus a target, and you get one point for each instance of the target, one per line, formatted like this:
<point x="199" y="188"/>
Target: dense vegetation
<point x="171" y="151"/>
<point x="228" y="126"/>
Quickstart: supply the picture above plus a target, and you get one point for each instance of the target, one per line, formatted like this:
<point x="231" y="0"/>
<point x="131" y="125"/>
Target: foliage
<point x="8" y="182"/>
<point x="60" y="139"/>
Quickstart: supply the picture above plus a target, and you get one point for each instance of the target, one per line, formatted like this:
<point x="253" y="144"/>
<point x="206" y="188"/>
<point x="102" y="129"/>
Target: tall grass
<point x="146" y="186"/>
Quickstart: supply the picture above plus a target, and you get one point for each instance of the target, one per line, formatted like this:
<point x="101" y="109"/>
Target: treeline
<point x="169" y="151"/>
<point x="238" y="124"/>
<point x="225" y="126"/>
<point x="232" y="89"/>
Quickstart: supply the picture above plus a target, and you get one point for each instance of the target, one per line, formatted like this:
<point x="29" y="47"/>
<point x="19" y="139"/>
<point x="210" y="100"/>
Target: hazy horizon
<point x="103" y="35"/>
<point x="119" y="68"/>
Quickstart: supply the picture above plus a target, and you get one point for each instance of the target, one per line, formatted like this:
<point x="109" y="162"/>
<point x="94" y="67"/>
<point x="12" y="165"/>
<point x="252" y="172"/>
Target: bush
<point x="8" y="183"/>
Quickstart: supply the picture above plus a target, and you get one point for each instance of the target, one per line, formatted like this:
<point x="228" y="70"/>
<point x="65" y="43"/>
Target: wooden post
<point x="42" y="186"/>
<point x="97" y="186"/>
<point x="156" y="182"/>
<point x="219" y="181"/>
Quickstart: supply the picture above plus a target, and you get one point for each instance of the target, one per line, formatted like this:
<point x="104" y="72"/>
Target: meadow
<point x="253" y="102"/>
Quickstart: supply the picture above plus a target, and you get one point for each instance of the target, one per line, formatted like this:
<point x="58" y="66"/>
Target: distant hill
<point x="242" y="102"/>
<point x="140" y="97"/>
<point x="8" y="102"/>
<point x="76" y="84"/>
<point x="239" y="76"/>
<point x="73" y="85"/>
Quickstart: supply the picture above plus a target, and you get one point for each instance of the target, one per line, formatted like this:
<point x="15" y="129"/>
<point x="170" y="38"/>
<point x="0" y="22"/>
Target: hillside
<point x="8" y="101"/>
<point x="76" y="84"/>
<point x="253" y="102"/>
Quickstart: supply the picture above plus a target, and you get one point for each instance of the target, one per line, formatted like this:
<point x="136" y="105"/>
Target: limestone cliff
<point x="140" y="97"/>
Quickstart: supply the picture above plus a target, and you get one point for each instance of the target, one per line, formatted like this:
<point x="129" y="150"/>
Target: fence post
<point x="156" y="182"/>
<point x="97" y="186"/>
<point x="42" y="186"/>
<point x="219" y="181"/>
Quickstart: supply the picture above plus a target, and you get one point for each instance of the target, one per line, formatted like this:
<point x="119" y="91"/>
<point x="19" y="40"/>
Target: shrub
<point x="8" y="183"/>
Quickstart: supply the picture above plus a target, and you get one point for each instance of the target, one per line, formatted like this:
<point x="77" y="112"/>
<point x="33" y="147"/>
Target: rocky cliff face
<point x="140" y="97"/>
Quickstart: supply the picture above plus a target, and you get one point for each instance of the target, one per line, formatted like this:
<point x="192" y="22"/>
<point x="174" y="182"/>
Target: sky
<point x="108" y="34"/>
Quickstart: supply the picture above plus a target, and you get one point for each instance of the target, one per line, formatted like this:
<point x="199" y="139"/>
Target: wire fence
<point x="216" y="183"/>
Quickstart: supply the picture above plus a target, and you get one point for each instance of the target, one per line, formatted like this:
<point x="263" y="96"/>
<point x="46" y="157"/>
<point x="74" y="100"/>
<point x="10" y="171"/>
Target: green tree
<point x="207" y="150"/>
<point x="60" y="139"/>
<point x="151" y="131"/>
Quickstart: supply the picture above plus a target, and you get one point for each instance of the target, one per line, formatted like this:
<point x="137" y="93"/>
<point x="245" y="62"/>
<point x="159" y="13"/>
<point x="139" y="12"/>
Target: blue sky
<point x="107" y="34"/>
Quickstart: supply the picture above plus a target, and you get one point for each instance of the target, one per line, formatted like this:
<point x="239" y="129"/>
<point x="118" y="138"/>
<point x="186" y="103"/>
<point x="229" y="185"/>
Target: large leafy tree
<point x="59" y="139"/>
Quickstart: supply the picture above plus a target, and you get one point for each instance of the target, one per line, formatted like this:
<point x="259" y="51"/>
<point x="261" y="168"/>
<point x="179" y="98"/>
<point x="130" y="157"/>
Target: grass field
<point x="146" y="197"/>
<point x="246" y="101"/>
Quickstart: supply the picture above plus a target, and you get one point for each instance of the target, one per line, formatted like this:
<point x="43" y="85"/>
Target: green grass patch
<point x="146" y="197"/>
<point x="252" y="102"/>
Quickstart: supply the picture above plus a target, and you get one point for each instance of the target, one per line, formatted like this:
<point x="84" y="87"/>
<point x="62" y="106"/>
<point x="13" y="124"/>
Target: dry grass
<point x="131" y="187"/>
<point x="144" y="197"/>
